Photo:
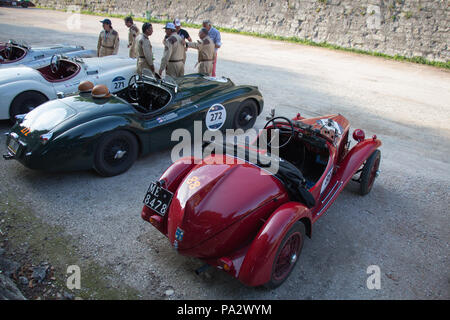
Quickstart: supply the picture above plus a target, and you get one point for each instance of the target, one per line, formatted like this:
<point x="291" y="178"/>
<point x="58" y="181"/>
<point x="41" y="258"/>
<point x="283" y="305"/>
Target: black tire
<point x="297" y="230"/>
<point x="369" y="172"/>
<point x="25" y="102"/>
<point x="106" y="162"/>
<point x="246" y="108"/>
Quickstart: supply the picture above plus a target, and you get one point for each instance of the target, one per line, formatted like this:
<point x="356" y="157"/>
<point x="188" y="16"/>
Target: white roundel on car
<point x="215" y="117"/>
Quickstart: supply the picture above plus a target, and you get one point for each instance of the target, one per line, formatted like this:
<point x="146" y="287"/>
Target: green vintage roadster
<point x="108" y="132"/>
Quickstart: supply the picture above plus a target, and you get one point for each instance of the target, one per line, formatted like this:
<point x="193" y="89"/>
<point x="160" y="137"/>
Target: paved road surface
<point x="402" y="225"/>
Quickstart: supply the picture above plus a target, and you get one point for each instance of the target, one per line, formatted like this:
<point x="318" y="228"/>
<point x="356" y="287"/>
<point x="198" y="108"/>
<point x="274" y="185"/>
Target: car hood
<point x="212" y="197"/>
<point x="14" y="74"/>
<point x="196" y="84"/>
<point x="60" y="115"/>
<point x="108" y="63"/>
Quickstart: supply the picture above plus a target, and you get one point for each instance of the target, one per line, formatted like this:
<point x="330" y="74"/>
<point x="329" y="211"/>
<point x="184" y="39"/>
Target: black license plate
<point x="158" y="199"/>
<point x="13" y="145"/>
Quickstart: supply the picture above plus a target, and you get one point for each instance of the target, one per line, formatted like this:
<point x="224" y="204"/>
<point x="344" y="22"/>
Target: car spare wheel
<point x="287" y="255"/>
<point x="246" y="114"/>
<point x="369" y="172"/>
<point x="25" y="102"/>
<point x="116" y="152"/>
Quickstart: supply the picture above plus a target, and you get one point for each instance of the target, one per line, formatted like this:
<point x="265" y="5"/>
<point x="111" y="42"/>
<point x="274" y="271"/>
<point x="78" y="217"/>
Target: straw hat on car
<point x="85" y="86"/>
<point x="100" y="91"/>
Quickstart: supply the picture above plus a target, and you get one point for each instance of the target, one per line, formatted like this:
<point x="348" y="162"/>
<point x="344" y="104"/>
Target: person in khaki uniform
<point x="133" y="32"/>
<point x="173" y="58"/>
<point x="108" y="40"/>
<point x="144" y="51"/>
<point x="206" y="50"/>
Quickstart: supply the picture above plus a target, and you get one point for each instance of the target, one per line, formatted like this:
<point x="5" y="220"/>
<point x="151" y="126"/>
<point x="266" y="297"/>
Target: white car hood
<point x="13" y="74"/>
<point x="108" y="63"/>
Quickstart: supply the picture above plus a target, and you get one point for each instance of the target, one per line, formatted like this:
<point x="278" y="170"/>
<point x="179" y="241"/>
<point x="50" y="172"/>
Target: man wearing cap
<point x="214" y="34"/>
<point x="183" y="34"/>
<point x="173" y="58"/>
<point x="206" y="50"/>
<point x="133" y="32"/>
<point x="144" y="50"/>
<point x="108" y="40"/>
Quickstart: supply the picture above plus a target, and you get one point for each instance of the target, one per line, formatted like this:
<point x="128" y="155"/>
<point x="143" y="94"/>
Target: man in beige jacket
<point x="144" y="51"/>
<point x="173" y="58"/>
<point x="206" y="49"/>
<point x="108" y="40"/>
<point x="133" y="32"/>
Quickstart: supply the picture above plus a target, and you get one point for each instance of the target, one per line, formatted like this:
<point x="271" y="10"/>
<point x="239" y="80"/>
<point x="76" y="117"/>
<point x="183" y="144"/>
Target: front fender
<point x="256" y="268"/>
<point x="355" y="158"/>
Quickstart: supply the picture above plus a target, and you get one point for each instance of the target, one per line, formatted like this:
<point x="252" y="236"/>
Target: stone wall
<point x="411" y="28"/>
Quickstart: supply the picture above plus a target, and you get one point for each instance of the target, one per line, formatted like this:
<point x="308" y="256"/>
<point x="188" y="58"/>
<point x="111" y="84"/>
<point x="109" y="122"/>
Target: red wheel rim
<point x="287" y="257"/>
<point x="373" y="172"/>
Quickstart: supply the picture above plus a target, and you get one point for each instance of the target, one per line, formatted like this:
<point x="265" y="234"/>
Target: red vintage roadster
<point x="249" y="221"/>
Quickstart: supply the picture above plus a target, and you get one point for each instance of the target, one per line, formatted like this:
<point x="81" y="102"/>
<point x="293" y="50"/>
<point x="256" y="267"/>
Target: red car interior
<point x="17" y="54"/>
<point x="66" y="70"/>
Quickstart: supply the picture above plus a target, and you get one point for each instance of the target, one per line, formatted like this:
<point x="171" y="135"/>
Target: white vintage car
<point x="24" y="88"/>
<point x="14" y="53"/>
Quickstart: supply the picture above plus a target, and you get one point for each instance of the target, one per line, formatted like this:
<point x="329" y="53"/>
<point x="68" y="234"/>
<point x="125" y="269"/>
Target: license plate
<point x="13" y="146"/>
<point x="158" y="199"/>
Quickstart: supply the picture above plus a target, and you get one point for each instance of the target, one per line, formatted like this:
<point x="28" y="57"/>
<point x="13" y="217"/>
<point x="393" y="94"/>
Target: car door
<point x="160" y="125"/>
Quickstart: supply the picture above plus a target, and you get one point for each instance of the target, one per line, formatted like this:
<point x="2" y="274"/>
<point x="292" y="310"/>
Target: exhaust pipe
<point x="202" y="269"/>
<point x="8" y="156"/>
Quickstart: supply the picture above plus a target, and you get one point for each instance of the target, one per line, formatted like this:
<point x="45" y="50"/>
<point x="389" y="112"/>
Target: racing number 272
<point x="216" y="116"/>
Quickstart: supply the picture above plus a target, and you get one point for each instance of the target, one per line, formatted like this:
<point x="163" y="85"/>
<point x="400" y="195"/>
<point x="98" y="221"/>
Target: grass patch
<point x="46" y="242"/>
<point x="419" y="60"/>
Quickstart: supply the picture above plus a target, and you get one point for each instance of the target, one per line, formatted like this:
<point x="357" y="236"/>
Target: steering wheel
<point x="8" y="51"/>
<point x="292" y="131"/>
<point x="133" y="90"/>
<point x="55" y="63"/>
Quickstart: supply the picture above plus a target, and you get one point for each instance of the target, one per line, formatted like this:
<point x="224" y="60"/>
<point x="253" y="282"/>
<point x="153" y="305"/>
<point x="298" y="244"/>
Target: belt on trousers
<point x="107" y="47"/>
<point x="176" y="60"/>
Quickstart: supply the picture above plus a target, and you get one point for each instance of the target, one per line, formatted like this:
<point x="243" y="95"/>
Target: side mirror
<point x="60" y="95"/>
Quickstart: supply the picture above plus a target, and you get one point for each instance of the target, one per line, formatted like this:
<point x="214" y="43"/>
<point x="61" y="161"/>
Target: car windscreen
<point x="47" y="116"/>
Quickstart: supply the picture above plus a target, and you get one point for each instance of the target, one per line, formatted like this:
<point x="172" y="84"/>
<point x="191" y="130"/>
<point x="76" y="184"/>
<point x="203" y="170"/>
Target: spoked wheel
<point x="287" y="255"/>
<point x="246" y="115"/>
<point x="116" y="153"/>
<point x="369" y="172"/>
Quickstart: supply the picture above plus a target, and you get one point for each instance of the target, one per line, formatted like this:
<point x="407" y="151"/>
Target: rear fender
<point x="172" y="178"/>
<point x="81" y="141"/>
<point x="177" y="171"/>
<point x="256" y="268"/>
<point x="355" y="158"/>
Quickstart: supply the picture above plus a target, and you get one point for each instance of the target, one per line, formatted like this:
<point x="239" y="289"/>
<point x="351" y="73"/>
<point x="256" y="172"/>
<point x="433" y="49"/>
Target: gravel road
<point x="402" y="225"/>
